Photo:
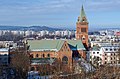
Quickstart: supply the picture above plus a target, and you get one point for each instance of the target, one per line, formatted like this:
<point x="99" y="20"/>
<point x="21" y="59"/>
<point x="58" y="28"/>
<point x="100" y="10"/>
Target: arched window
<point x="65" y="60"/>
<point x="37" y="55"/>
<point x="43" y="55"/>
<point x="48" y="55"/>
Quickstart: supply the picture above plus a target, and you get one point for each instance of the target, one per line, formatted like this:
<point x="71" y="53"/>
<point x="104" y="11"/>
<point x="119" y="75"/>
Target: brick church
<point x="45" y="51"/>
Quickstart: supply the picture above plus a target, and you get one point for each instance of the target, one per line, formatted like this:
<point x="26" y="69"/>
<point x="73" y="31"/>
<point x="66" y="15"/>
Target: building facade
<point x="105" y="53"/>
<point x="97" y="56"/>
<point x="46" y="51"/>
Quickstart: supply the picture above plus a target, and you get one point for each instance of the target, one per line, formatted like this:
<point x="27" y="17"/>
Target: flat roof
<point x="4" y="49"/>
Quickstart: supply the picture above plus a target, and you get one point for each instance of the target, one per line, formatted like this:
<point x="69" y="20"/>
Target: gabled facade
<point x="65" y="50"/>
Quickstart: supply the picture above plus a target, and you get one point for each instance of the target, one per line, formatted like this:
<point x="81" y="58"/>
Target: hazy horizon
<point x="60" y="13"/>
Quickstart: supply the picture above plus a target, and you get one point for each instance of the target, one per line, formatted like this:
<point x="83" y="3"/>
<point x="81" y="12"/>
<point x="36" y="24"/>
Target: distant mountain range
<point x="34" y="28"/>
<point x="39" y="28"/>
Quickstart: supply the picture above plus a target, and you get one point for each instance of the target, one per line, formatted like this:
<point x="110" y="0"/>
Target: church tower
<point x="82" y="28"/>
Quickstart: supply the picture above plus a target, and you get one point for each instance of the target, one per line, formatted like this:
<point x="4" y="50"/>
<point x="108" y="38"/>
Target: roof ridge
<point x="58" y="44"/>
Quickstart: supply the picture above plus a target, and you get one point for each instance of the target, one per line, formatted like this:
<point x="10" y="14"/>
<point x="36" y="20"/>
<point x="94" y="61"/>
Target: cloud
<point x="58" y="5"/>
<point x="44" y="10"/>
<point x="103" y="5"/>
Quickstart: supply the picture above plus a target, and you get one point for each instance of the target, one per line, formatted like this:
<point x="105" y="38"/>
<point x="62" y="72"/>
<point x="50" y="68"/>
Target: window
<point x="98" y="58"/>
<point x="114" y="54"/>
<point x="93" y="52"/>
<point x="110" y="49"/>
<point x="105" y="58"/>
<point x="111" y="62"/>
<point x="43" y="55"/>
<point x="48" y="55"/>
<point x="105" y="54"/>
<point x="111" y="58"/>
<point x="37" y="55"/>
<point x="111" y="54"/>
<point x="114" y="61"/>
<point x="114" y="49"/>
<point x="83" y="29"/>
<point x="114" y="57"/>
<point x="90" y="57"/>
<point x="65" y="60"/>
<point x="105" y="62"/>
<point x="106" y="49"/>
<point x="97" y="52"/>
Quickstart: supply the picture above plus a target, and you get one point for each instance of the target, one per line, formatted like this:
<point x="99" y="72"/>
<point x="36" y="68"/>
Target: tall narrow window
<point x="65" y="60"/>
<point x="43" y="55"/>
<point x="37" y="55"/>
<point x="48" y="55"/>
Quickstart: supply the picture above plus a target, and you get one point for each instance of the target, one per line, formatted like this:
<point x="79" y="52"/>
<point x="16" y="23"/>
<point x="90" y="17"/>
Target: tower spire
<point x="82" y="28"/>
<point x="82" y="14"/>
<point x="82" y="17"/>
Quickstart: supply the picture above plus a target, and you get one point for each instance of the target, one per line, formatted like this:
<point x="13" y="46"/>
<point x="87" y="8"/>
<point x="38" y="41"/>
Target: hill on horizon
<point x="40" y="28"/>
<point x="34" y="28"/>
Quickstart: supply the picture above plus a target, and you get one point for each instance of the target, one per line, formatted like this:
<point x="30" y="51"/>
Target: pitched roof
<point x="45" y="45"/>
<point x="54" y="45"/>
<point x="96" y="48"/>
<point x="76" y="45"/>
<point x="4" y="49"/>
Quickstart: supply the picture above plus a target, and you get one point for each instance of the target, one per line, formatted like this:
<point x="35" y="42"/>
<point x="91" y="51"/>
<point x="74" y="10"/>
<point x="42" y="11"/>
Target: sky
<point x="59" y="13"/>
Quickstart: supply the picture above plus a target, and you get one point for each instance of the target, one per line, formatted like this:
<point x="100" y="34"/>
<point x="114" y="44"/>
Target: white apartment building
<point x="29" y="32"/>
<point x="43" y="32"/>
<point x="97" y="55"/>
<point x="111" y="55"/>
<point x="1" y="32"/>
<point x="58" y="33"/>
<point x="108" y="46"/>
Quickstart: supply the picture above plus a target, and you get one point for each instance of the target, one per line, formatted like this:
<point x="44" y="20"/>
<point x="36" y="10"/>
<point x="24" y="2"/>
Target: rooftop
<point x="4" y="49"/>
<point x="54" y="45"/>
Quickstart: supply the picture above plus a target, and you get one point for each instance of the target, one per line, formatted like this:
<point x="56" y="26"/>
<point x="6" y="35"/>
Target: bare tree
<point x="20" y="61"/>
